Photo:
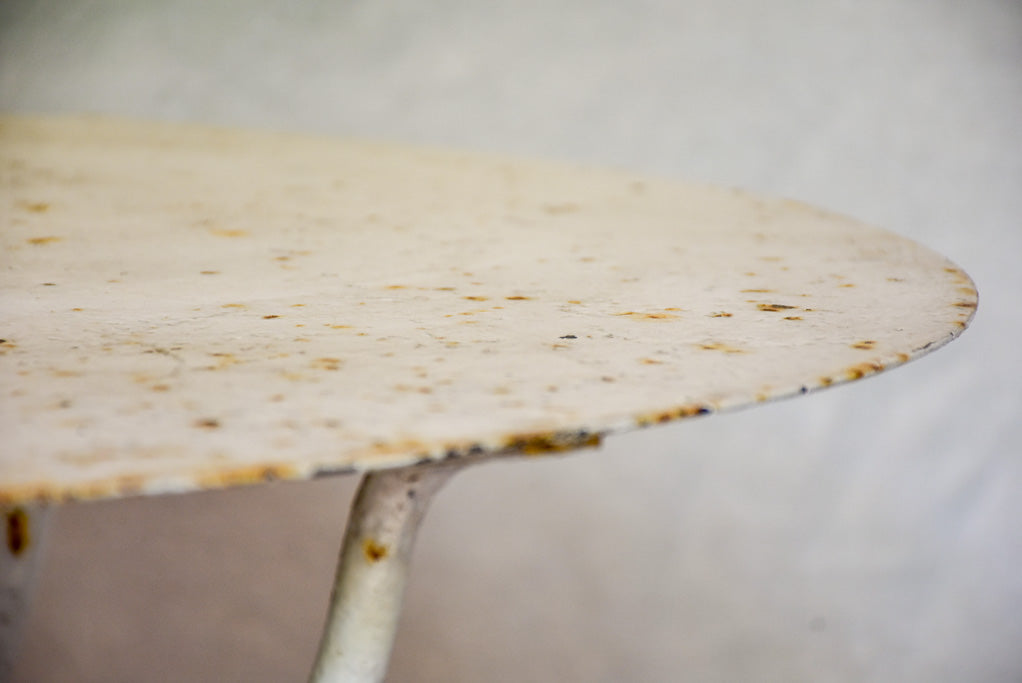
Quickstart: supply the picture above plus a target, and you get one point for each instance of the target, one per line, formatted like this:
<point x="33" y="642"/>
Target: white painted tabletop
<point x="186" y="308"/>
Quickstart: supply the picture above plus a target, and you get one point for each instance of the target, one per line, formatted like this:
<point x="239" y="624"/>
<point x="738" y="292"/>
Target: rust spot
<point x="720" y="346"/>
<point x="647" y="316"/>
<point x="558" y="209"/>
<point x="327" y="363"/>
<point x="518" y="298"/>
<point x="865" y="345"/>
<point x="444" y="289"/>
<point x="774" y="308"/>
<point x="650" y="361"/>
<point x="477" y="298"/>
<point x="38" y="241"/>
<point x="207" y="423"/>
<point x="252" y="474"/>
<point x="721" y="314"/>
<point x="270" y="317"/>
<point x="862" y="369"/>
<point x="374" y="551"/>
<point x="792" y="317"/>
<point x="691" y="410"/>
<point x="209" y="272"/>
<point x="35" y="207"/>
<point x="160" y="387"/>
<point x="234" y="306"/>
<point x="761" y="291"/>
<point x="338" y="327"/>
<point x="229" y="232"/>
<point x="847" y="284"/>
<point x="895" y="279"/>
<point x="826" y="381"/>
<point x="540" y="443"/>
<point x="965" y="304"/>
<point x="396" y="287"/>
<point x="575" y="302"/>
<point x="904" y="357"/>
<point x="18" y="536"/>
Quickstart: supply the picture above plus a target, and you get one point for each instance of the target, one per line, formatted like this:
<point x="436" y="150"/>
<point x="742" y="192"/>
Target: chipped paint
<point x="172" y="385"/>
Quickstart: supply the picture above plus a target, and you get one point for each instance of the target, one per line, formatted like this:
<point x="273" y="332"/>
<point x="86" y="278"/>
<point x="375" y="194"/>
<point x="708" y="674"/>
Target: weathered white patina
<point x="189" y="308"/>
<point x="186" y="308"/>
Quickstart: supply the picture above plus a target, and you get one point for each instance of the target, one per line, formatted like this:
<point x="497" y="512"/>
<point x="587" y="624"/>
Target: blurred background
<point x="868" y="533"/>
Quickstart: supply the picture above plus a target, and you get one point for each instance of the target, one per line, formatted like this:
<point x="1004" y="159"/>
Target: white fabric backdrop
<point x="869" y="533"/>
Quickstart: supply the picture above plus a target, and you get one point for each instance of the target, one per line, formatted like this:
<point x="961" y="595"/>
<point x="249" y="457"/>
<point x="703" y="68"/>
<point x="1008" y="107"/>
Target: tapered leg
<point x="372" y="571"/>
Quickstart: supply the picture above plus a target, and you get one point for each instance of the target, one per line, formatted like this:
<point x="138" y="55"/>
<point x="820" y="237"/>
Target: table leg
<point x="24" y="530"/>
<point x="372" y="571"/>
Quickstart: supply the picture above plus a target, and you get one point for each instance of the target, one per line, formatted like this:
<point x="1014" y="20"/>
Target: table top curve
<point x="186" y="308"/>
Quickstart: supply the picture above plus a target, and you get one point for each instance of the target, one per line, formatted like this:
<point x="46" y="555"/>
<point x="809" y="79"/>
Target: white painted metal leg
<point x="372" y="570"/>
<point x="24" y="529"/>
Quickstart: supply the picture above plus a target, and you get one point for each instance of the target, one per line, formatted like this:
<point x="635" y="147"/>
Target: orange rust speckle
<point x="648" y="316"/>
<point x="253" y="474"/>
<point x="575" y="302"/>
<point x="681" y="413"/>
<point x="270" y="317"/>
<point x="863" y="369"/>
<point x="229" y="232"/>
<point x="518" y="298"/>
<point x="865" y="345"/>
<point x="76" y="309"/>
<point x="895" y="279"/>
<point x="327" y="363"/>
<point x="160" y="387"/>
<point x="444" y="289"/>
<point x="761" y="291"/>
<point x="773" y="308"/>
<point x="720" y="346"/>
<point x="847" y="284"/>
<point x="477" y="298"/>
<point x="50" y="239"/>
<point x="66" y="373"/>
<point x="18" y="535"/>
<point x="792" y="317"/>
<point x="541" y="443"/>
<point x="209" y="272"/>
<point x="207" y="423"/>
<point x="826" y="381"/>
<point x="721" y="314"/>
<point x="297" y="305"/>
<point x="339" y="327"/>
<point x="397" y="287"/>
<point x="557" y="209"/>
<point x="35" y="207"/>
<point x="904" y="357"/>
<point x="374" y="551"/>
<point x="965" y="304"/>
<point x="650" y="361"/>
<point x="234" y="306"/>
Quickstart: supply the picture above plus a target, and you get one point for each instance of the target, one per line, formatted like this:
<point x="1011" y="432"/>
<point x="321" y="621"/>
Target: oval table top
<point x="185" y="308"/>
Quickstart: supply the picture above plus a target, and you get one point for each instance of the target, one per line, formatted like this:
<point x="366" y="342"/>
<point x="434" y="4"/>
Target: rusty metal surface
<point x="186" y="308"/>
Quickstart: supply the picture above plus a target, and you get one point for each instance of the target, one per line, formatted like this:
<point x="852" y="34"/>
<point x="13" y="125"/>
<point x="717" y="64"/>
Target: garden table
<point x="187" y="308"/>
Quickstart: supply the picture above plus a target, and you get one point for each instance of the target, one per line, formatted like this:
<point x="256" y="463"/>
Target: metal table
<point x="189" y="308"/>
